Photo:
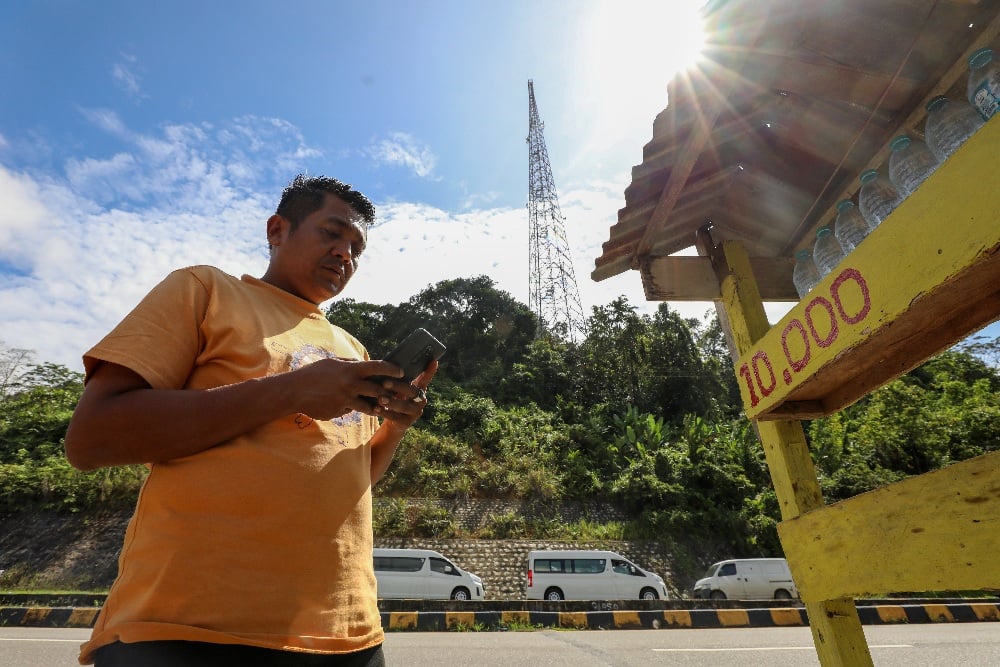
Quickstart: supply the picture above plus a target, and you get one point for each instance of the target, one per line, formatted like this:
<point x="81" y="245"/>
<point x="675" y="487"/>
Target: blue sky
<point x="138" y="137"/>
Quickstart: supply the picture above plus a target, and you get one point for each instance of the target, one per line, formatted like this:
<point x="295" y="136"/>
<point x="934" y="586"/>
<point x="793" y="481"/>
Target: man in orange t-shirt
<point x="264" y="428"/>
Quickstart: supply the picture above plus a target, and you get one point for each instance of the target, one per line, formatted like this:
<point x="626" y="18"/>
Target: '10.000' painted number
<point x="822" y="317"/>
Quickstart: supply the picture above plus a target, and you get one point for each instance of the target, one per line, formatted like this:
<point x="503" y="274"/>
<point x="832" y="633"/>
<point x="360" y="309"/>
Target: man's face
<point x="316" y="259"/>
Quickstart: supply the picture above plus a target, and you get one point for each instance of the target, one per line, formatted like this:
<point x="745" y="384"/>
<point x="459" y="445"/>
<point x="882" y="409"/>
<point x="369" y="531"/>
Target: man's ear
<point x="276" y="228"/>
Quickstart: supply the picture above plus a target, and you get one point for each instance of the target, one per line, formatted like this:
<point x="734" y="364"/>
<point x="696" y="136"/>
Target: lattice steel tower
<point x="552" y="289"/>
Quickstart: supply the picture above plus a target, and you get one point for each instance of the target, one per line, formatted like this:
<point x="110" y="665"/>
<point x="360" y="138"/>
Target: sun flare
<point x="627" y="53"/>
<point x="646" y="42"/>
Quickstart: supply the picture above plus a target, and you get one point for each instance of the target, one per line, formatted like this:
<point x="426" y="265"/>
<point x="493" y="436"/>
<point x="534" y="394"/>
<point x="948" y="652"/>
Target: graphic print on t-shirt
<point x="309" y="354"/>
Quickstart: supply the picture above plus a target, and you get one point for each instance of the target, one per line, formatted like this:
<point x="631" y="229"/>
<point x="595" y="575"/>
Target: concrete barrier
<point x="424" y="620"/>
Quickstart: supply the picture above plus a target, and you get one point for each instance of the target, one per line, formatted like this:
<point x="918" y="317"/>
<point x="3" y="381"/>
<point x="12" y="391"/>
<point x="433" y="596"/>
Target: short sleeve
<point x="161" y="338"/>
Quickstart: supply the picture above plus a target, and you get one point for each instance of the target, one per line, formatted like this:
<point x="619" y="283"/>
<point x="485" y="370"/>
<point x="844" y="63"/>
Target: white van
<point x="421" y="573"/>
<point x="590" y="575"/>
<point x="747" y="579"/>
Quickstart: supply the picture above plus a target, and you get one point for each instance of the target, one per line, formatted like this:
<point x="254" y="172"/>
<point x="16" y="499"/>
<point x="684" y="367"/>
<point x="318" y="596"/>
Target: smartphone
<point x="415" y="352"/>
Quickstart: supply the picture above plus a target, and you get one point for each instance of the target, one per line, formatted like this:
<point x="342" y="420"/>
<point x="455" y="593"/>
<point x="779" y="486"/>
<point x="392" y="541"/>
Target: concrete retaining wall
<point x="503" y="564"/>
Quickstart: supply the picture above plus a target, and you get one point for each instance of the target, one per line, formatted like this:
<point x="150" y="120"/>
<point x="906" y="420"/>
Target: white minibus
<point x="747" y="579"/>
<point x="421" y="573"/>
<point x="590" y="575"/>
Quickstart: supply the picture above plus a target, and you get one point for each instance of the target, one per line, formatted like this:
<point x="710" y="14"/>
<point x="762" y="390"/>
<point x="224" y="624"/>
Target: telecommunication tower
<point x="552" y="290"/>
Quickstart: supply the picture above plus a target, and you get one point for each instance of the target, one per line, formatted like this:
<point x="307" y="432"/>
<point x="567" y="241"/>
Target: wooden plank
<point x="925" y="278"/>
<point x="936" y="532"/>
<point x="835" y="625"/>
<point x="689" y="278"/>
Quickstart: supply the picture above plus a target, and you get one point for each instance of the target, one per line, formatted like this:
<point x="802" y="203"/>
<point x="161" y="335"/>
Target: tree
<point x="14" y="364"/>
<point x="485" y="329"/>
<point x="678" y="381"/>
<point x="547" y="376"/>
<point x="35" y="419"/>
<point x="614" y="356"/>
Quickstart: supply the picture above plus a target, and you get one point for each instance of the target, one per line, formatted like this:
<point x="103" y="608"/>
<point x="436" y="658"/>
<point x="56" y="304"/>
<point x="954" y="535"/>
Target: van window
<point x="398" y="563"/>
<point x="574" y="565"/>
<point x="444" y="567"/>
<point x="727" y="570"/>
<point x="625" y="567"/>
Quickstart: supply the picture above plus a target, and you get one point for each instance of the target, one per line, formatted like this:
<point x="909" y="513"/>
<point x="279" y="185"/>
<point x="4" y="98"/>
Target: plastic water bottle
<point x="948" y="125"/>
<point x="910" y="163"/>
<point x="984" y="83"/>
<point x="877" y="198"/>
<point x="827" y="252"/>
<point x="850" y="227"/>
<point x="805" y="275"/>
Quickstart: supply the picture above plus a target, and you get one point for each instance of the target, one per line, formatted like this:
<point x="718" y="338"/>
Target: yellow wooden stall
<point x="794" y="100"/>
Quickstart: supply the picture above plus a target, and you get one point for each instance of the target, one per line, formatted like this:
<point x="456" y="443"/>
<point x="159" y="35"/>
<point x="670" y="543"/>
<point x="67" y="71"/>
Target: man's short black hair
<point x="305" y="194"/>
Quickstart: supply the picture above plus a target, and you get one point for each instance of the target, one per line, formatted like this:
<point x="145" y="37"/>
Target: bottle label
<point x="985" y="99"/>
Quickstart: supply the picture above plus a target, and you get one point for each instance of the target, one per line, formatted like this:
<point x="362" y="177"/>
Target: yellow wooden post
<point x="836" y="628"/>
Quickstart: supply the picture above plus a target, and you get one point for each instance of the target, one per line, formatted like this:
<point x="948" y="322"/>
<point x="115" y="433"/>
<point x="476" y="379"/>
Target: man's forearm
<point x="384" y="444"/>
<point x="150" y="425"/>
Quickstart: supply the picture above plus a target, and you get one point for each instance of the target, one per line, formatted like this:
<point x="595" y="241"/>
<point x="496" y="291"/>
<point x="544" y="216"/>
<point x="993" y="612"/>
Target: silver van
<point x="421" y="573"/>
<point x="747" y="579"/>
<point x="590" y="575"/>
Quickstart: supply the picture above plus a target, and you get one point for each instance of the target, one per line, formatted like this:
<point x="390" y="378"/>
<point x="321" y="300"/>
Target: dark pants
<point x="202" y="654"/>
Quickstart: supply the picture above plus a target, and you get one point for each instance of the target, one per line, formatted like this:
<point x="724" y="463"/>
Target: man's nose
<point x="342" y="249"/>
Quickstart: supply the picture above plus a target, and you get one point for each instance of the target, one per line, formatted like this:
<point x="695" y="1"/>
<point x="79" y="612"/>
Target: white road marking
<point x="762" y="648"/>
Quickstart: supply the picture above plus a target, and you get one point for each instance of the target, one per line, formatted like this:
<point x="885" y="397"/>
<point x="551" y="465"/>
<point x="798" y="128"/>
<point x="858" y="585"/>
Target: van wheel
<point x="782" y="594"/>
<point x="717" y="595"/>
<point x="460" y="593"/>
<point x="554" y="595"/>
<point x="648" y="594"/>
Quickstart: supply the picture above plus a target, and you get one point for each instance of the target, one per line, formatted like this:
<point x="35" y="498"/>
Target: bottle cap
<point x="869" y="175"/>
<point x="844" y="203"/>
<point x="936" y="103"/>
<point x="899" y="143"/>
<point x="803" y="255"/>
<point x="980" y="58"/>
<point x="823" y="231"/>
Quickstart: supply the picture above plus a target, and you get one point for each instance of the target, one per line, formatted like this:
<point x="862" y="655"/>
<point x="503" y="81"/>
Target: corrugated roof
<point x="794" y="99"/>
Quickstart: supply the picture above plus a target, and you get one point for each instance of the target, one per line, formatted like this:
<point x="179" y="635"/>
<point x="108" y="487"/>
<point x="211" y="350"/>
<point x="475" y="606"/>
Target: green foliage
<point x="509" y="525"/>
<point x="432" y="521"/>
<point x="644" y="412"/>
<point x="944" y="411"/>
<point x="49" y="482"/>
<point x="389" y="518"/>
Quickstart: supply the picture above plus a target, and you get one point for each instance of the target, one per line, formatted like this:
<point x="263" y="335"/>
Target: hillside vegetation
<point x="642" y="412"/>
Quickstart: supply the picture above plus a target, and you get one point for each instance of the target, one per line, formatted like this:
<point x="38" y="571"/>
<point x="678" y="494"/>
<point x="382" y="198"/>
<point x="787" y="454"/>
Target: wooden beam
<point x="688" y="278"/>
<point x="693" y="147"/>
<point x="836" y="628"/>
<point x="939" y="531"/>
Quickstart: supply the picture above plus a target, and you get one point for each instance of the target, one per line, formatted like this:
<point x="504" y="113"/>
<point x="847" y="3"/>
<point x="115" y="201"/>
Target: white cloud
<point x="124" y="74"/>
<point x="107" y="120"/>
<point x="22" y="211"/>
<point x="402" y="149"/>
<point x="76" y="254"/>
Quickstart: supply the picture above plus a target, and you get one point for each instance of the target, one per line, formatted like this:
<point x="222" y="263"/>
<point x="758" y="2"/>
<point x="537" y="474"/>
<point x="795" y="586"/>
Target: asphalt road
<point x="930" y="645"/>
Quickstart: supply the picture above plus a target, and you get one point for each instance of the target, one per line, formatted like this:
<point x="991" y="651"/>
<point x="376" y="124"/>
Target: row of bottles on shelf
<point x="949" y="124"/>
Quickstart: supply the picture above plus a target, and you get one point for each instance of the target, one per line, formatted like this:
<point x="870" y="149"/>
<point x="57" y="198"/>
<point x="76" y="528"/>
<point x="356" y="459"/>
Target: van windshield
<point x="443" y="566"/>
<point x="712" y="570"/>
